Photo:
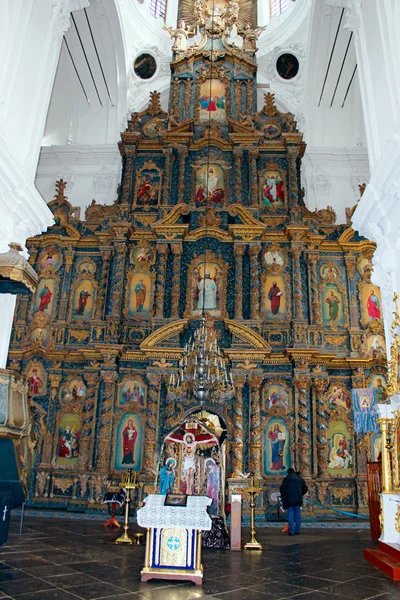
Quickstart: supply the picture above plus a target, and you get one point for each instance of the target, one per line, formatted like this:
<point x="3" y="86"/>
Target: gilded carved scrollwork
<point x="297" y="283"/>
<point x="254" y="281"/>
<point x="315" y="305"/>
<point x="149" y="457"/>
<point x="182" y="153"/>
<point x="105" y="269"/>
<point x="238" y="158"/>
<point x="319" y="386"/>
<point x="301" y="383"/>
<point x="239" y="252"/>
<point x="162" y="253"/>
<point x="237" y="426"/>
<point x="253" y="183"/>
<point x="109" y="379"/>
<point x="255" y="425"/>
<point x="88" y="410"/>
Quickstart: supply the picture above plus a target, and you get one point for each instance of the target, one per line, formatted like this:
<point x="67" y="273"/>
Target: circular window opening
<point x="287" y="66"/>
<point x="145" y="66"/>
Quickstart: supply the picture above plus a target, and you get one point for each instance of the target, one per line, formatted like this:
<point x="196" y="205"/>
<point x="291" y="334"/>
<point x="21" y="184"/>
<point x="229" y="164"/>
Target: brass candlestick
<point x="252" y="491"/>
<point x="128" y="484"/>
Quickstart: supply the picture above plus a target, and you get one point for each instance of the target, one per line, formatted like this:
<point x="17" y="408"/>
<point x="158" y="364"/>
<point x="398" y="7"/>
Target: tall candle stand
<point x="128" y="483"/>
<point x="252" y="491"/>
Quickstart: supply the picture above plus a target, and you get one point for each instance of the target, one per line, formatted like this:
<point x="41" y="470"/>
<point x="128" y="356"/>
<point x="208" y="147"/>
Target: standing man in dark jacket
<point x="292" y="491"/>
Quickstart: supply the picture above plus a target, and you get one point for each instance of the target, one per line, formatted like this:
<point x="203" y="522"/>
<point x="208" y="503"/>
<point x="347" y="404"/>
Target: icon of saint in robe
<point x="129" y="436"/>
<point x="45" y="298"/>
<point x="207" y="293"/>
<point x="274" y="295"/>
<point x="140" y="291"/>
<point x="333" y="304"/>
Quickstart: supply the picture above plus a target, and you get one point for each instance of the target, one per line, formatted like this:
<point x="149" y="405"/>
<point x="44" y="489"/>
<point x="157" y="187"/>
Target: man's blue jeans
<point x="294" y="519"/>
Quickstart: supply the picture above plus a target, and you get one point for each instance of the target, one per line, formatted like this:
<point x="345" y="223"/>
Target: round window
<point x="287" y="66"/>
<point x="145" y="66"/>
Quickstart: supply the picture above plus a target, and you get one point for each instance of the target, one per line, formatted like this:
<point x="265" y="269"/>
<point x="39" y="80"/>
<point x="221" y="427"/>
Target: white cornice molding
<point x="281" y="28"/>
<point x="353" y="12"/>
<point x="61" y="14"/>
<point x="23" y="212"/>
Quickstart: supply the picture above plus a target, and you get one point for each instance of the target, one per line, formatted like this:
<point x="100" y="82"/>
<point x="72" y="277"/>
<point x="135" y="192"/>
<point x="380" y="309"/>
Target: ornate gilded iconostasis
<point x="210" y="213"/>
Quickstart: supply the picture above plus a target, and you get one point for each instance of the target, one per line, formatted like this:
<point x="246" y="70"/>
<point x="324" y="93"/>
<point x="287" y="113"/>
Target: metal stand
<point x="252" y="491"/>
<point x="128" y="484"/>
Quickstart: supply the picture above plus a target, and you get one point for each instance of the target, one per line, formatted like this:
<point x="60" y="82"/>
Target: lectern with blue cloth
<point x="173" y="541"/>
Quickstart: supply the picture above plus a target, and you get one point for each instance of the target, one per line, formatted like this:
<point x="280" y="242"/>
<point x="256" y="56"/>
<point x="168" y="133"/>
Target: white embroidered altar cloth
<point x="192" y="516"/>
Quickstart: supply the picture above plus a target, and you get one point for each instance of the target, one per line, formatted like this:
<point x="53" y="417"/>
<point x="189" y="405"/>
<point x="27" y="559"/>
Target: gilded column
<point x="182" y="153"/>
<point x="255" y="426"/>
<point x="104" y="442"/>
<point x="129" y="155"/>
<point x="384" y="425"/>
<point x="175" y="93"/>
<point x="48" y="441"/>
<point x="312" y="273"/>
<point x="297" y="283"/>
<point x="238" y="98"/>
<point x="69" y="256"/>
<point x="150" y="446"/>
<point x="321" y="421"/>
<point x="292" y="154"/>
<point x="120" y="250"/>
<point x="105" y="270"/>
<point x="85" y="459"/>
<point x="249" y="94"/>
<point x="350" y="261"/>
<point x="176" y="279"/>
<point x="301" y="383"/>
<point x="253" y="179"/>
<point x="254" y="281"/>
<point x="237" y="158"/>
<point x="237" y="425"/>
<point x="162" y="253"/>
<point x="188" y="96"/>
<point x="239" y="252"/>
<point x="167" y="175"/>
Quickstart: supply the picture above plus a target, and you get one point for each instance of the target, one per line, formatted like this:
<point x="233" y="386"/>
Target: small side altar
<point x="173" y="541"/>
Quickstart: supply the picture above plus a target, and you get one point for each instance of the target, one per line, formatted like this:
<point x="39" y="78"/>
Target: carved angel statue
<point x="179" y="35"/>
<point x="250" y="37"/>
<point x="247" y="120"/>
<point x="232" y="13"/>
<point x="172" y="119"/>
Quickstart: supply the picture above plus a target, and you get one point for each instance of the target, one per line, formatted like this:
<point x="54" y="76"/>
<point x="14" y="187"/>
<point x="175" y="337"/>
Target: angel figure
<point x="179" y="35"/>
<point x="172" y="119"/>
<point x="247" y="120"/>
<point x="232" y="13"/>
<point x="250" y="37"/>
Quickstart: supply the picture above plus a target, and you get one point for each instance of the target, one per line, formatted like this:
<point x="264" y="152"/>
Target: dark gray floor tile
<point x="12" y="575"/>
<point x="70" y="580"/>
<point x="98" y="589"/>
<point x="349" y="590"/>
<point x="55" y="594"/>
<point x="174" y="593"/>
<point x="21" y="586"/>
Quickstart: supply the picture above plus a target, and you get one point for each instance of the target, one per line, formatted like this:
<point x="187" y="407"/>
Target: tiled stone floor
<point x="63" y="560"/>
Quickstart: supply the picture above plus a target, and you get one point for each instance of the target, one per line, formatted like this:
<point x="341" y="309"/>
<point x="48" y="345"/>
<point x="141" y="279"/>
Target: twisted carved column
<point x="188" y="95"/>
<point x="312" y="272"/>
<point x="105" y="427"/>
<point x="238" y="98"/>
<point x="238" y="157"/>
<point x="69" y="259"/>
<point x="167" y="175"/>
<point x="120" y="250"/>
<point x="175" y="93"/>
<point x="301" y="383"/>
<point x="47" y="451"/>
<point x="86" y="442"/>
<point x="249" y="93"/>
<point x="176" y="279"/>
<point x="292" y="154"/>
<point x="254" y="281"/>
<point x="237" y="425"/>
<point x="130" y="154"/>
<point x="319" y="386"/>
<point x="162" y="253"/>
<point x="239" y="252"/>
<point x="350" y="261"/>
<point x="105" y="268"/>
<point x="253" y="181"/>
<point x="150" y="446"/>
<point x="255" y="426"/>
<point x="182" y="152"/>
<point x="297" y="283"/>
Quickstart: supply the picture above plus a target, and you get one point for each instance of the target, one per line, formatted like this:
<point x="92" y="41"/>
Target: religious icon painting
<point x="37" y="380"/>
<point x="132" y="390"/>
<point x="276" y="447"/>
<point x="140" y="293"/>
<point x="83" y="299"/>
<point x="50" y="258"/>
<point x="371" y="303"/>
<point x="272" y="188"/>
<point x="365" y="267"/>
<point x="276" y="395"/>
<point x="86" y="267"/>
<point x="376" y="346"/>
<point x="271" y="131"/>
<point x="378" y="381"/>
<point x="212" y="101"/>
<point x="206" y="288"/>
<point x="275" y="303"/>
<point x="338" y="396"/>
<point x="273" y="259"/>
<point x="142" y="257"/>
<point x="332" y="305"/>
<point x="69" y="434"/>
<point x="330" y="272"/>
<point x="376" y="447"/>
<point x="148" y="185"/>
<point x="128" y="443"/>
<point x="44" y="297"/>
<point x="74" y="390"/>
<point x="210" y="185"/>
<point x="339" y="449"/>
